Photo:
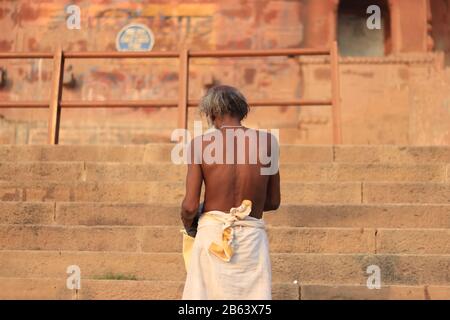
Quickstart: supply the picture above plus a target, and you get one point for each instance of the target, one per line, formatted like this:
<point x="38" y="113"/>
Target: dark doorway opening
<point x="354" y="37"/>
<point x="440" y="15"/>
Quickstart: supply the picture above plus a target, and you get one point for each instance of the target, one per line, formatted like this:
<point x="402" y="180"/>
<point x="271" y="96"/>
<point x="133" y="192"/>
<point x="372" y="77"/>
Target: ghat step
<point x="114" y="211"/>
<point x="289" y="153"/>
<point x="306" y="215"/>
<point x="281" y="239"/>
<point x="305" y="172"/>
<point x="39" y="288"/>
<point x="325" y="269"/>
<point x="172" y="192"/>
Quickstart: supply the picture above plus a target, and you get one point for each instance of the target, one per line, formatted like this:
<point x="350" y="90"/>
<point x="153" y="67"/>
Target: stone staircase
<point x="114" y="212"/>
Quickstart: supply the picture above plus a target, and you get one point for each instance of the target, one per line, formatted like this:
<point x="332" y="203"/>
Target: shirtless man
<point x="235" y="177"/>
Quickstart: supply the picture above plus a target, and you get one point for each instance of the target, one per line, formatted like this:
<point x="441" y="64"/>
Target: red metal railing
<point x="55" y="104"/>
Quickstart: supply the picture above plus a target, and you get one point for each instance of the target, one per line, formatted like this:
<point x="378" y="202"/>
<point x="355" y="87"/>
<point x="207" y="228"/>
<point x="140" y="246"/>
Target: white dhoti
<point x="229" y="258"/>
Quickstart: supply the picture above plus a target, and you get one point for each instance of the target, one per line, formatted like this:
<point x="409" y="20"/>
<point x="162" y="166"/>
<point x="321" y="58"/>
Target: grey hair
<point x="221" y="100"/>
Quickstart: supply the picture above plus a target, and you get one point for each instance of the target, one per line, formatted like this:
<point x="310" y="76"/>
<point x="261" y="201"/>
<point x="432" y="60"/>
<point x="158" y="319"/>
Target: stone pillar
<point x="319" y="25"/>
<point x="395" y="25"/>
<point x="333" y="18"/>
<point x="410" y="25"/>
<point x="429" y="37"/>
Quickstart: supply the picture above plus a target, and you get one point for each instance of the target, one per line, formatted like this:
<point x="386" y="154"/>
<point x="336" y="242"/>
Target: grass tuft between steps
<point x="115" y="276"/>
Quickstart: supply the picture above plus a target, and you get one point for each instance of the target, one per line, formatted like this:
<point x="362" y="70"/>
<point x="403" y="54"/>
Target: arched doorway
<point x="440" y="13"/>
<point x="354" y="37"/>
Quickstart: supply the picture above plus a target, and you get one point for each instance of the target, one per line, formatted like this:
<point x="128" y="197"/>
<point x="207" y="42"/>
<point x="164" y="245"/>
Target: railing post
<point x="336" y="94"/>
<point x="55" y="97"/>
<point x="183" y="91"/>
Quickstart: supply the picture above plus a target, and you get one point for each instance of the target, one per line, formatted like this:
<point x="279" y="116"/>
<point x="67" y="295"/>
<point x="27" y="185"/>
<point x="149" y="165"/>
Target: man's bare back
<point x="227" y="185"/>
<point x="234" y="162"/>
<point x="234" y="175"/>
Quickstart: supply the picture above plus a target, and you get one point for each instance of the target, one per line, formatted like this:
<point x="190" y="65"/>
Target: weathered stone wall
<point x="385" y="99"/>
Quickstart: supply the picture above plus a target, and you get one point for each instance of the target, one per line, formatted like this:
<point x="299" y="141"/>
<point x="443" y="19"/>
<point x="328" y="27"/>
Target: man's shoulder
<point x="211" y="134"/>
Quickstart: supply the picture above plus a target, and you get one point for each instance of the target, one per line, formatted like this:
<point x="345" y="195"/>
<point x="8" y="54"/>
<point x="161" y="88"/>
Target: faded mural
<point x="388" y="96"/>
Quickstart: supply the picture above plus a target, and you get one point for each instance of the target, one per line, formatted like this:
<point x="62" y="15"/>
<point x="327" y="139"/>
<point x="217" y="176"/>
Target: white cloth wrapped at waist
<point x="230" y="257"/>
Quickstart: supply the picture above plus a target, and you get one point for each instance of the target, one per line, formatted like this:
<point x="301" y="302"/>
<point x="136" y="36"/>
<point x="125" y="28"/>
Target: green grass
<point x="116" y="276"/>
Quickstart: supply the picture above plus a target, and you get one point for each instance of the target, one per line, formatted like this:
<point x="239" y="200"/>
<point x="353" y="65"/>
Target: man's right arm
<point x="273" y="195"/>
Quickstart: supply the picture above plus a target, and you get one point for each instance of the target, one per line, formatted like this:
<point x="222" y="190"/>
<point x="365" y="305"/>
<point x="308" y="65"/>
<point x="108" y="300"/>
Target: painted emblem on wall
<point x="135" y="37"/>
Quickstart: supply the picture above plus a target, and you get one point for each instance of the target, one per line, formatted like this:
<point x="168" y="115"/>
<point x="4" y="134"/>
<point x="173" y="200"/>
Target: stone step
<point x="173" y="192"/>
<point x="169" y="239"/>
<point x="116" y="153"/>
<point x="147" y="214"/>
<point x="355" y="292"/>
<point x="327" y="269"/>
<point x="56" y="289"/>
<point x="392" y="153"/>
<point x="114" y="211"/>
<point x="405" y="192"/>
<point x="355" y="216"/>
<point x="281" y="239"/>
<point x="348" y="172"/>
<point x="12" y="212"/>
<point x="163" y="192"/>
<point x="154" y="152"/>
<point x="421" y="241"/>
<point x="288" y="153"/>
<point x="317" y="172"/>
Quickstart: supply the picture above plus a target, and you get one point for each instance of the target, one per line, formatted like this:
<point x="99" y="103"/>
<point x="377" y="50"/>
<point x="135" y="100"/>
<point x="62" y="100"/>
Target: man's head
<point x="221" y="102"/>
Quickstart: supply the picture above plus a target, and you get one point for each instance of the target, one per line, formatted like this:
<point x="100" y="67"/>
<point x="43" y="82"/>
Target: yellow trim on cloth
<point x="188" y="244"/>
<point x="223" y="250"/>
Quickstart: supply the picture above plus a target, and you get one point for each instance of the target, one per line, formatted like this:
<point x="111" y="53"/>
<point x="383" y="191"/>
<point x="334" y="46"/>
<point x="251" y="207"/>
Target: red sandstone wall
<point x="378" y="102"/>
